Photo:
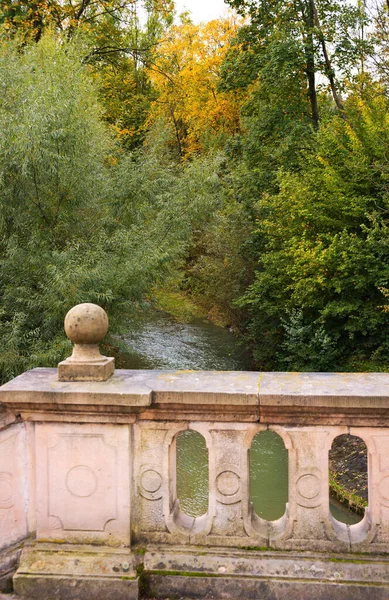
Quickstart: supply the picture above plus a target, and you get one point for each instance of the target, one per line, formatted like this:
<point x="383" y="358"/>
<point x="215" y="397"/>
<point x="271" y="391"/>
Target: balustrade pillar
<point x="157" y="517"/>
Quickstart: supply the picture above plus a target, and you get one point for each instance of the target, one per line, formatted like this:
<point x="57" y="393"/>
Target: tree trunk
<point x="311" y="74"/>
<point x="329" y="69"/>
<point x="177" y="131"/>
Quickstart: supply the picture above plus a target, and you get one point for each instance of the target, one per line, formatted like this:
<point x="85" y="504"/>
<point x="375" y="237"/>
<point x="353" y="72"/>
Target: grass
<point x="350" y="499"/>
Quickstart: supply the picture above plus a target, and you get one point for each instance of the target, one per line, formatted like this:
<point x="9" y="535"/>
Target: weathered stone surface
<point x="271" y="398"/>
<point x="266" y="564"/>
<point x="86" y="325"/>
<point x="154" y="474"/>
<point x="6" y="417"/>
<point x="100" y="369"/>
<point x="230" y="520"/>
<point x="165" y="587"/>
<point x="98" y="460"/>
<point x="9" y="560"/>
<point x="38" y="395"/>
<point x="222" y="574"/>
<point x="205" y="387"/>
<point x="372" y="534"/>
<point x="83" y="483"/>
<point x="326" y="398"/>
<point x="229" y="485"/>
<point x="310" y="523"/>
<point x="69" y="572"/>
<point x="13" y="485"/>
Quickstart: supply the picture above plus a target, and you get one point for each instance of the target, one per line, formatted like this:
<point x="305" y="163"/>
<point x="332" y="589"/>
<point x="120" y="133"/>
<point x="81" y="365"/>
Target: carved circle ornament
<point x="150" y="484"/>
<point x="151" y="481"/>
<point x="81" y="481"/>
<point x="6" y="490"/>
<point x="228" y="484"/>
<point x="308" y="486"/>
<point x="384" y="489"/>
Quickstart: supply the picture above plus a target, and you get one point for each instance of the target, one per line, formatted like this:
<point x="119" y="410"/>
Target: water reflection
<point x="268" y="475"/>
<point x="192" y="473"/>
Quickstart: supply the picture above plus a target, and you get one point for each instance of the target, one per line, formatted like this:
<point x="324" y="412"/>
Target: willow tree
<point x="61" y="239"/>
<point x="120" y="37"/>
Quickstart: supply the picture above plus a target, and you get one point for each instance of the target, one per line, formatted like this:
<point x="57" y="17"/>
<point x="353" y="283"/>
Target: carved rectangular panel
<point x="83" y="483"/>
<point x="13" y="487"/>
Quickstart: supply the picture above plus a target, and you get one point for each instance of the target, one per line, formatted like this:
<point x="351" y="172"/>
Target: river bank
<point x="348" y="472"/>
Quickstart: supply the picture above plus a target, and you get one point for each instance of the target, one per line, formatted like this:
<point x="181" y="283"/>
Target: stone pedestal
<point x="86" y="325"/>
<point x="98" y="370"/>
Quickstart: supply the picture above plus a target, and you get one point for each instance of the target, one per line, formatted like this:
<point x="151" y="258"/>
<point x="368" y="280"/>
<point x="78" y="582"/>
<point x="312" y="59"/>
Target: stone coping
<point x="298" y="398"/>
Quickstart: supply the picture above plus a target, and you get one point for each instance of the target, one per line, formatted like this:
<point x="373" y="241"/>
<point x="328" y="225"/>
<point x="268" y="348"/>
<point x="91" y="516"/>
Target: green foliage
<point x="117" y="46"/>
<point x="79" y="221"/>
<point x="219" y="268"/>
<point x="317" y="298"/>
<point x="122" y="55"/>
<point x="277" y="226"/>
<point x="293" y="42"/>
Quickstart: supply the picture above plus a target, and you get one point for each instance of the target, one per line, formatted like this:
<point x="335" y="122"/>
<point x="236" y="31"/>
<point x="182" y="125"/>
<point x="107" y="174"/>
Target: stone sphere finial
<point x="86" y="325"/>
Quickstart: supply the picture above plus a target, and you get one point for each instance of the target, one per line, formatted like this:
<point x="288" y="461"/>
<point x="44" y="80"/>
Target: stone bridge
<point x="88" y="501"/>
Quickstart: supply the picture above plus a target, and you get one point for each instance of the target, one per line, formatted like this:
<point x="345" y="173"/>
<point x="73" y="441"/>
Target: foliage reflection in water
<point x="192" y="473"/>
<point x="268" y="475"/>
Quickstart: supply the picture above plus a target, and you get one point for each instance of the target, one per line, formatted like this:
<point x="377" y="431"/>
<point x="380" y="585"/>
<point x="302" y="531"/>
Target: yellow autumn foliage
<point x="185" y="76"/>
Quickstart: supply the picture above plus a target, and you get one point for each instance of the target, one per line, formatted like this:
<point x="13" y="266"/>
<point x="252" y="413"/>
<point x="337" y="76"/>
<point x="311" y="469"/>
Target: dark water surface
<point x="157" y="341"/>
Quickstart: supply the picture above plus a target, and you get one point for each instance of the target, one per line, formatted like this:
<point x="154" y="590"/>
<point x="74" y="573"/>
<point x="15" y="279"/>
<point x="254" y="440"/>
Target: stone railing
<point x="88" y="478"/>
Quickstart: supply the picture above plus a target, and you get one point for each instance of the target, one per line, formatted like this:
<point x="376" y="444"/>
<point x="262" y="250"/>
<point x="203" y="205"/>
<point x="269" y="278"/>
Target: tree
<point x="63" y="239"/>
<point x="117" y="48"/>
<point x="318" y="296"/>
<point x="185" y="77"/>
<point x="31" y="19"/>
<point x="311" y="28"/>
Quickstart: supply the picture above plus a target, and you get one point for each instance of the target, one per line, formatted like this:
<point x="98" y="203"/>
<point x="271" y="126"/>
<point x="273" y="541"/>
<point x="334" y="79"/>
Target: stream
<point x="157" y="341"/>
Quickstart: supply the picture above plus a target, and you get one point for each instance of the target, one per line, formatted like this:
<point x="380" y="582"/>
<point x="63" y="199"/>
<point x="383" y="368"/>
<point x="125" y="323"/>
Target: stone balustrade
<point x="88" y="483"/>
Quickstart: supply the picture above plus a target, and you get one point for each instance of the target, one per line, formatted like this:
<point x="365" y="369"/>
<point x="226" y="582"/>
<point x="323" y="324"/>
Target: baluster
<point x="156" y="511"/>
<point x="230" y="482"/>
<point x="312" y="528"/>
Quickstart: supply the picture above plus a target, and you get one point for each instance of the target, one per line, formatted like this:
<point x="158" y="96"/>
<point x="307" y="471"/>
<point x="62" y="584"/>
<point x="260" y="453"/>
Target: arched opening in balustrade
<point x="348" y="479"/>
<point x="192" y="473"/>
<point x="268" y="475"/>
